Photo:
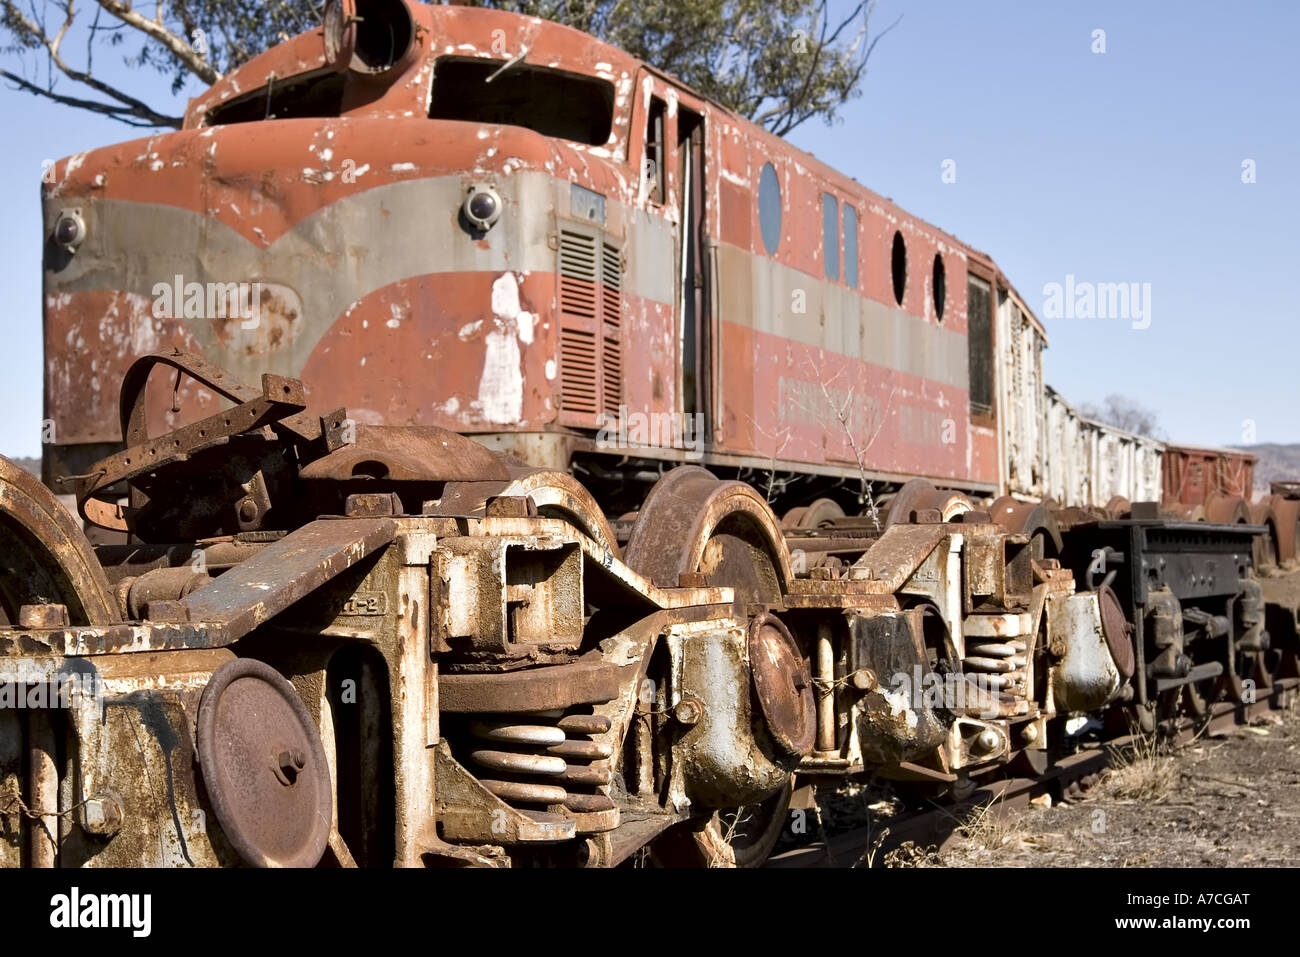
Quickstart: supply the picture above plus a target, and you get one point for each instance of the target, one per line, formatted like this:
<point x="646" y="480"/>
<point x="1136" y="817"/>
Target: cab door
<point x="672" y="144"/>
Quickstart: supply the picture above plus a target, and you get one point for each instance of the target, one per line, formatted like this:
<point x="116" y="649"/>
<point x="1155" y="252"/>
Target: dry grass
<point x="990" y="827"/>
<point x="1145" y="771"/>
<point x="868" y="857"/>
<point x="718" y="841"/>
<point x="909" y="855"/>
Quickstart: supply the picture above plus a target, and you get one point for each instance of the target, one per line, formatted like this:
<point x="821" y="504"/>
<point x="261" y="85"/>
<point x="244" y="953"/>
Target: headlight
<point x="482" y="207"/>
<point x="70" y="229"/>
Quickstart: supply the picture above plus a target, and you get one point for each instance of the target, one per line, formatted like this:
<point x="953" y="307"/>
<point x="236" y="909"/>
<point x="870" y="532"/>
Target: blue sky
<point x="1117" y="167"/>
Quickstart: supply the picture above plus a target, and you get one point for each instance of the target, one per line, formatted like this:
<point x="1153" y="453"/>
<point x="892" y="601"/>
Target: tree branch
<point x="130" y="106"/>
<point x="131" y="116"/>
<point x="155" y="30"/>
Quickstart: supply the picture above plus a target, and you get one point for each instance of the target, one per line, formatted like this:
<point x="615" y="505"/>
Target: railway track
<point x="940" y="825"/>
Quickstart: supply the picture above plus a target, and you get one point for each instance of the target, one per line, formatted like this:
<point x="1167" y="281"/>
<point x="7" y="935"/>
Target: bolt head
<point x="688" y="711"/>
<point x="101" y="815"/>
<point x="864" y="679"/>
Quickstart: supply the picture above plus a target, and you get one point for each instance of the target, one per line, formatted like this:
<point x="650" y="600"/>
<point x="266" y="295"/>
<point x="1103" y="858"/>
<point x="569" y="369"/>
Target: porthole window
<point x="769" y="208"/>
<point x="831" y="235"/>
<point x="898" y="266"/>
<point x="851" y="246"/>
<point x="940" y="286"/>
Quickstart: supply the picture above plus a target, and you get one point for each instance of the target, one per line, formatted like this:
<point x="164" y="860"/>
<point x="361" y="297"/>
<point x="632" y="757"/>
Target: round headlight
<point x="482" y="207"/>
<point x="69" y="229"/>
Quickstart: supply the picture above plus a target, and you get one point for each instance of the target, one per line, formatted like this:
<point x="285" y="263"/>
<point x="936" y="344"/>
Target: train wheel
<point x="1227" y="510"/>
<point x="1119" y="507"/>
<point x="554" y="494"/>
<point x="917" y="495"/>
<point x="1252" y="674"/>
<point x="693" y="524"/>
<point x="1264" y="551"/>
<point x="741" y="837"/>
<point x="1027" y="518"/>
<point x="900" y="506"/>
<point x="47" y="557"/>
<point x="1199" y="696"/>
<point x="560" y="495"/>
<point x="1287" y="512"/>
<point x="752" y="832"/>
<point x="819" y="514"/>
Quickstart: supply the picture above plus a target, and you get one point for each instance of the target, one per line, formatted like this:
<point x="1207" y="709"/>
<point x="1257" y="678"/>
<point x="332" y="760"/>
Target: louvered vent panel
<point x="578" y="371"/>
<point x="591" y="322"/>
<point x="577" y="275"/>
<point x="611" y="310"/>
<point x="579" y="327"/>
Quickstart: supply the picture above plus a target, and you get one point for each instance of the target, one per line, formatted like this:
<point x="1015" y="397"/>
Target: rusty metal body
<point x="502" y="269"/>
<point x="415" y="652"/>
<point x="340" y="193"/>
<point x="664" y="283"/>
<point x="1194" y="476"/>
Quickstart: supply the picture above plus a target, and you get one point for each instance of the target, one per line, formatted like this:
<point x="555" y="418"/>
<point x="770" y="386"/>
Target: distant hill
<point x="1275" y="462"/>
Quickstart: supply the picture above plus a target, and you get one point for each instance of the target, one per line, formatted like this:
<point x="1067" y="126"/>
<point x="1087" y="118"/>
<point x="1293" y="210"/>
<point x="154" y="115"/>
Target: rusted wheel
<point x="1287" y="511"/>
<point x="1251" y="676"/>
<point x="899" y="507"/>
<point x="918" y="495"/>
<point x="1119" y="507"/>
<point x="693" y="524"/>
<point x="560" y="495"/>
<point x="555" y="495"/>
<point x="1264" y="550"/>
<point x="822" y="512"/>
<point x="736" y="837"/>
<point x="47" y="558"/>
<point x="1246" y="679"/>
<point x="751" y="832"/>
<point x="1035" y="520"/>
<point x="1067" y="518"/>
<point x="1227" y="510"/>
<point x="1187" y="513"/>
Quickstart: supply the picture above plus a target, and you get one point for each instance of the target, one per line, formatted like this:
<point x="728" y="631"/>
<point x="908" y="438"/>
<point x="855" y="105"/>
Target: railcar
<point x="496" y="453"/>
<point x="500" y="226"/>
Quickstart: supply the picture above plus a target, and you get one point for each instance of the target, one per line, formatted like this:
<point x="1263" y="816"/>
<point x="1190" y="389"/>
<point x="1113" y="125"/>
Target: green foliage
<point x="778" y="62"/>
<point x="227" y="32"/>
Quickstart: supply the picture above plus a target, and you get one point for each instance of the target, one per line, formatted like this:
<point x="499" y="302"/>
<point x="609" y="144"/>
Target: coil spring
<point x="544" y="758"/>
<point x="1000" y="665"/>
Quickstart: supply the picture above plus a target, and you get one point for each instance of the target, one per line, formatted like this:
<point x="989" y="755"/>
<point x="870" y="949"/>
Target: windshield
<point x="551" y="102"/>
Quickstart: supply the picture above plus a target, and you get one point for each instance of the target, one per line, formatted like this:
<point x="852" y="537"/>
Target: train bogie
<point x="371" y="645"/>
<point x="587" y="509"/>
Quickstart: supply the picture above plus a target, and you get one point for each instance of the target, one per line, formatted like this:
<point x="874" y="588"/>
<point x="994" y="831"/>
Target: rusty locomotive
<point x="581" y="471"/>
